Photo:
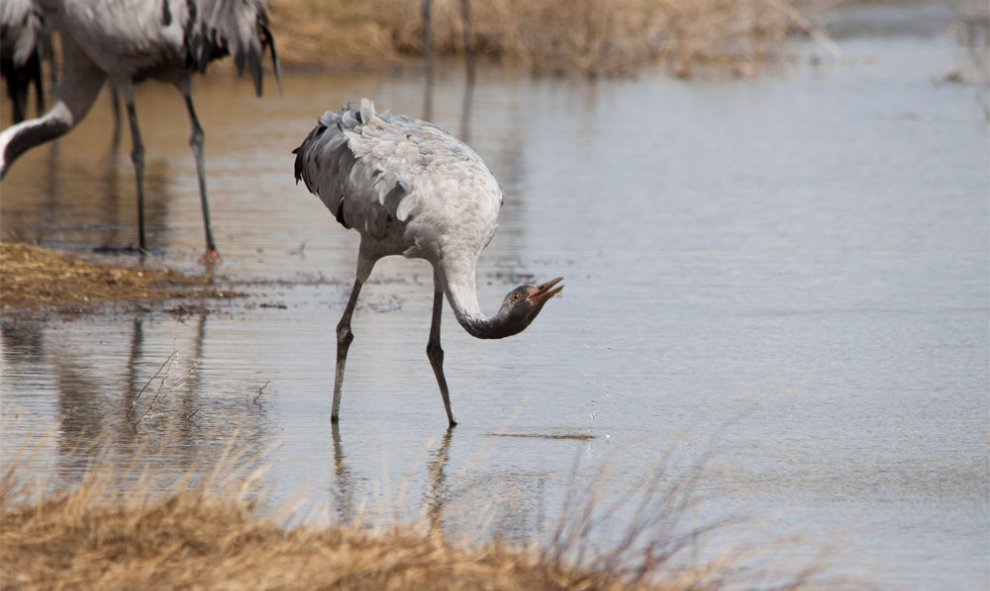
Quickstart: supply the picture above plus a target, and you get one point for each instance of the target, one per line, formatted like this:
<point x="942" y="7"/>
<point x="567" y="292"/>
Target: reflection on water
<point x="343" y="490"/>
<point x="806" y="252"/>
<point x="109" y="390"/>
<point x="439" y="492"/>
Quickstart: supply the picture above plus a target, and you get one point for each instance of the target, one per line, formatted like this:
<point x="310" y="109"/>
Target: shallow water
<point x="789" y="272"/>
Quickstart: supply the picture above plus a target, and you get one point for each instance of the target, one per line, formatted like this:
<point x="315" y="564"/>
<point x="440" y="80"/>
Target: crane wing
<point x="374" y="169"/>
<point x="364" y="167"/>
<point x="22" y="28"/>
<point x="237" y="27"/>
<point x="135" y="39"/>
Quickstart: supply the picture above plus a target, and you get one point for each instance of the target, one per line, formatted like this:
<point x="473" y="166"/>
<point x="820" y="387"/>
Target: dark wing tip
<point x="268" y="40"/>
<point x="299" y="163"/>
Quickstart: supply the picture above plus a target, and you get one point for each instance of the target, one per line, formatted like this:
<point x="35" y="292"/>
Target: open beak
<point x="541" y="293"/>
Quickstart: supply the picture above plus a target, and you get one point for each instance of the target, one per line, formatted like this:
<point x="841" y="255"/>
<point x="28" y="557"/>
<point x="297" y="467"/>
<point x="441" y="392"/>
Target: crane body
<point x="411" y="189"/>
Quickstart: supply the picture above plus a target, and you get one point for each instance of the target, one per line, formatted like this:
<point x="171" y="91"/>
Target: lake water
<point x="790" y="273"/>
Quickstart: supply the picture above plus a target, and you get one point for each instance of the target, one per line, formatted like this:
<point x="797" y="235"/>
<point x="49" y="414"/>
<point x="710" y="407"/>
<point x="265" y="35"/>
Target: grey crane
<point x="24" y="43"/>
<point x="128" y="41"/>
<point x="410" y="188"/>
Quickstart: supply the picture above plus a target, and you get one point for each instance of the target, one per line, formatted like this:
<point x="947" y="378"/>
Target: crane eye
<point x="515" y="297"/>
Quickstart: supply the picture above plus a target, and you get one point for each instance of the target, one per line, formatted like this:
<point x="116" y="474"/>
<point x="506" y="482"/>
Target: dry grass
<point x="32" y="278"/>
<point x="206" y="533"/>
<point x="330" y="34"/>
<point x="604" y="37"/>
<point x="592" y="37"/>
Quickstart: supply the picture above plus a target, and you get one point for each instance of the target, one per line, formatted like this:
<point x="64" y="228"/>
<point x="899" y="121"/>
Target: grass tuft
<point x="125" y="527"/>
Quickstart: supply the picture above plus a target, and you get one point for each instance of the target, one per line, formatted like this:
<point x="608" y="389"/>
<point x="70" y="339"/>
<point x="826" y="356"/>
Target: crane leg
<point x="435" y="352"/>
<point x="137" y="157"/>
<point x="344" y="338"/>
<point x="196" y="142"/>
<point x="18" y="97"/>
<point x="115" y="103"/>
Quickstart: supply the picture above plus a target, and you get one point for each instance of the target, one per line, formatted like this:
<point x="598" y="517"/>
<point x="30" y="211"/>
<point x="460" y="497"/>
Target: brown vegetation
<point x="193" y="541"/>
<point x="103" y="534"/>
<point x="32" y="278"/>
<point x="330" y="34"/>
<point x="592" y="37"/>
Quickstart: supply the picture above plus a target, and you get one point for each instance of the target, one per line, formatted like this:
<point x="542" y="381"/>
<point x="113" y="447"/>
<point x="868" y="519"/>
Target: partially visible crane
<point x="24" y="44"/>
<point x="468" y="41"/>
<point x="410" y="188"/>
<point x="128" y="41"/>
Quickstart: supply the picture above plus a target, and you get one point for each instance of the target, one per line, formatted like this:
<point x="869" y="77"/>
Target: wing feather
<point x="237" y="27"/>
<point x="22" y="30"/>
<point x="162" y="39"/>
<point x="372" y="169"/>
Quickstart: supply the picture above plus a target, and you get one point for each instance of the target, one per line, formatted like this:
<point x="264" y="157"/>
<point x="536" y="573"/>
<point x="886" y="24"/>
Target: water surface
<point x="789" y="272"/>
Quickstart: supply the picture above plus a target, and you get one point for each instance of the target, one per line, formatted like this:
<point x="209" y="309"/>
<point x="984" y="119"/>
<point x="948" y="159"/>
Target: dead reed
<point x="124" y="528"/>
<point x="330" y="34"/>
<point x="590" y="37"/>
<point x="603" y="37"/>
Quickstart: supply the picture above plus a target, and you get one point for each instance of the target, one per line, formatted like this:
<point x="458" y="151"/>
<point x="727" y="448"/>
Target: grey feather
<point x="22" y="27"/>
<point x="373" y="169"/>
<point x="133" y="40"/>
<point x="237" y="27"/>
<point x="24" y="44"/>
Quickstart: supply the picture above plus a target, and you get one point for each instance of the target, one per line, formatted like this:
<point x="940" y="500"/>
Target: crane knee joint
<point x="434" y="352"/>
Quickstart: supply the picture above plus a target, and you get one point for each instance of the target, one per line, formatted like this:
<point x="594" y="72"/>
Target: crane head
<point x="522" y="304"/>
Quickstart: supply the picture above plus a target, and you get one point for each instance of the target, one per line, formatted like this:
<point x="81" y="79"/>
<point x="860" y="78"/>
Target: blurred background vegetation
<point x="591" y="37"/>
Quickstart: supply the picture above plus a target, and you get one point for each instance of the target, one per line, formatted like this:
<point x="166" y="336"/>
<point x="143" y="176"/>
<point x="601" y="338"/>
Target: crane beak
<point x="540" y="294"/>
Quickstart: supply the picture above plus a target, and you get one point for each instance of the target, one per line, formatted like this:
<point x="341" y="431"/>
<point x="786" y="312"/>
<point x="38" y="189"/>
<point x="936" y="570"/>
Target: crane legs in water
<point x="196" y="142"/>
<point x="433" y="349"/>
<point x="137" y="157"/>
<point x="344" y="338"/>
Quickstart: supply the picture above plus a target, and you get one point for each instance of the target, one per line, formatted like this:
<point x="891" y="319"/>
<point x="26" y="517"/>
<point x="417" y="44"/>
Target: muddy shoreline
<point x="40" y="282"/>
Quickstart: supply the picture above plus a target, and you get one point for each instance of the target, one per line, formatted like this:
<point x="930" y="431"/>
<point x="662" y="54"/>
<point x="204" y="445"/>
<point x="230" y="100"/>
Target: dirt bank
<point x="35" y="279"/>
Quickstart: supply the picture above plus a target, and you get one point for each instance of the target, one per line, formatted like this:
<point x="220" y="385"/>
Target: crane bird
<point x="128" y="41"/>
<point x="410" y="188"/>
<point x="24" y="43"/>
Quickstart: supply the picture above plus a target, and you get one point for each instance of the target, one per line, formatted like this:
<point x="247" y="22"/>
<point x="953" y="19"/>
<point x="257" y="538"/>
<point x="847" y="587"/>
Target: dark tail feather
<point x="19" y="79"/>
<point x="268" y="42"/>
<point x="255" y="56"/>
<point x="39" y="89"/>
<point x="254" y="62"/>
<point x="267" y="39"/>
<point x="302" y="151"/>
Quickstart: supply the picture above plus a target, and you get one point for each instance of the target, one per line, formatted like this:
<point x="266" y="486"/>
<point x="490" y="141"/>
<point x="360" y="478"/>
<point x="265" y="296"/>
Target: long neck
<point x="80" y="85"/>
<point x="17" y="139"/>
<point x="459" y="284"/>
